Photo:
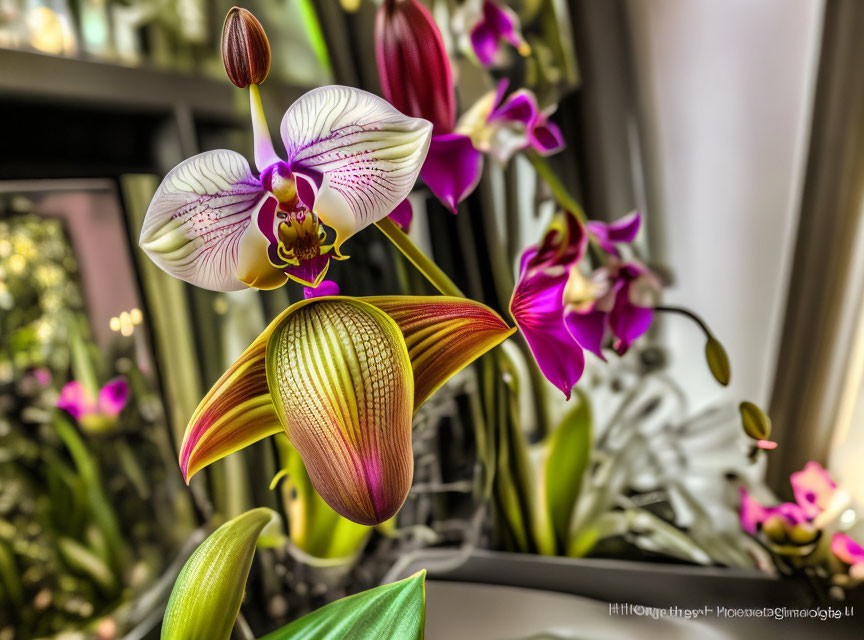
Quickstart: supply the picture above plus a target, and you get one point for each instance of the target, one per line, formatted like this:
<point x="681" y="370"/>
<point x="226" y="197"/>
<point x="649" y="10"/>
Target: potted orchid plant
<point x="343" y="377"/>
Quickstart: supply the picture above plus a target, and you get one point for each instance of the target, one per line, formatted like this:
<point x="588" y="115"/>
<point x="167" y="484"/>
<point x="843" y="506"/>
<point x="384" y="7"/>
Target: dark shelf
<point x="27" y="75"/>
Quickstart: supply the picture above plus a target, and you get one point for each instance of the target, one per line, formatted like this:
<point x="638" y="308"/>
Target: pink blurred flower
<point x="78" y="402"/>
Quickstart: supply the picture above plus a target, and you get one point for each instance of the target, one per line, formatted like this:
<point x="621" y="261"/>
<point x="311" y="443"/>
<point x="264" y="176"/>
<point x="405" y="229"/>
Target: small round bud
<point x="803" y="533"/>
<point x="756" y="424"/>
<point x="718" y="361"/>
<point x="245" y="48"/>
<point x="775" y="528"/>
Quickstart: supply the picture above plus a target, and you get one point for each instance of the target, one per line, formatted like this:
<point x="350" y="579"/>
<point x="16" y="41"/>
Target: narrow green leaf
<point x="568" y="455"/>
<point x="394" y="611"/>
<point x="207" y="594"/>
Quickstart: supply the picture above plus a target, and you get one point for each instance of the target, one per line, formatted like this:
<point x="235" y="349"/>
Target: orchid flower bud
<point x="413" y="65"/>
<point x="245" y="48"/>
<point x="718" y="361"/>
<point x="756" y="423"/>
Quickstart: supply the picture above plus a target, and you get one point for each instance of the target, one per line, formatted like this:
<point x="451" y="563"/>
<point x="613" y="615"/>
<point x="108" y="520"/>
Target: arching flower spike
<point x="343" y="376"/>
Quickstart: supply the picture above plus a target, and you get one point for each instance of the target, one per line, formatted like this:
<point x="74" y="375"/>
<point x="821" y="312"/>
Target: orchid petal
<point x="520" y="107"/>
<point x="254" y="265"/>
<point x="326" y="288"/>
<point x="198" y="216"/>
<point x="342" y="384"/>
<point x="402" y="215"/>
<point x="846" y="549"/>
<point x="752" y="513"/>
<point x="547" y="139"/>
<point x="359" y="154"/>
<point x="588" y="329"/>
<point x="236" y="412"/>
<point x="813" y="488"/>
<point x="624" y="230"/>
<point x="75" y="400"/>
<point x="538" y="308"/>
<point x="628" y="321"/>
<point x="791" y="512"/>
<point x="443" y="335"/>
<point x="113" y="397"/>
<point x="452" y="169"/>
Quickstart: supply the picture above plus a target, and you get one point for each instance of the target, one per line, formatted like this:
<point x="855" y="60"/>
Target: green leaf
<point x="394" y="611"/>
<point x="207" y="594"/>
<point x="569" y="452"/>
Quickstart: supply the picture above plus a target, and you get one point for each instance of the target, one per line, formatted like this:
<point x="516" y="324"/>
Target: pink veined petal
<point x="326" y="288"/>
<point x="538" y="309"/>
<point x="452" y="169"/>
<point x="813" y="488"/>
<point x="588" y="329"/>
<point x="752" y="513"/>
<point x="402" y="215"/>
<point x="113" y="397"/>
<point x="197" y="218"/>
<point x="310" y="273"/>
<point x="361" y="153"/>
<point x="846" y="549"/>
<point x="75" y="400"/>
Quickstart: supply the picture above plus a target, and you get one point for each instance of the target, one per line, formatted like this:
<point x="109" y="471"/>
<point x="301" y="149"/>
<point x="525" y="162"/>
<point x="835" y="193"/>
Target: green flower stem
<point x="558" y="189"/>
<point x="424" y="264"/>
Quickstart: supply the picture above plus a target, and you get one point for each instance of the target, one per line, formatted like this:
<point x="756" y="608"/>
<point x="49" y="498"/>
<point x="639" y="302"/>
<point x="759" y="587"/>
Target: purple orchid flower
<point x="537" y="302"/>
<point x="493" y="25"/>
<point x="813" y="488"/>
<point x="617" y="299"/>
<point x="94" y="413"/>
<point x="351" y="158"/>
<point x="416" y="78"/>
<point x="501" y="126"/>
<point x="752" y="514"/>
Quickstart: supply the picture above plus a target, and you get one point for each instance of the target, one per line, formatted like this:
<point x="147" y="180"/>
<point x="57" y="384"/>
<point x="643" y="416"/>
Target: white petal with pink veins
<point x="197" y="218"/>
<point x="359" y="155"/>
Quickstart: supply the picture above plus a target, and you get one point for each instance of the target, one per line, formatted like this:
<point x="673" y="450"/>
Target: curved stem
<point x="424" y="264"/>
<point x="690" y="314"/>
<point x="265" y="155"/>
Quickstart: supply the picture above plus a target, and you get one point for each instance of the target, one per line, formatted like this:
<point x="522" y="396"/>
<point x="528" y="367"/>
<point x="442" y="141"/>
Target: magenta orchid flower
<point x="616" y="299"/>
<point x="813" y="488"/>
<point x="537" y="303"/>
<point x="752" y="514"/>
<point x="94" y="413"/>
<point x="350" y="159"/>
<point x="502" y="126"/>
<point x="489" y="27"/>
<point x="416" y="78"/>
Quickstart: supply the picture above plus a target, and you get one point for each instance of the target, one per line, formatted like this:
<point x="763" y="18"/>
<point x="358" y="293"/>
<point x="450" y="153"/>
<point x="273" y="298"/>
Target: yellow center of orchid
<point x="300" y="235"/>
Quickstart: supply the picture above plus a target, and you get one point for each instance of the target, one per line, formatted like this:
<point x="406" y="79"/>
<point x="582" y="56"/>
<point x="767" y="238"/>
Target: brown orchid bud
<point x="245" y="48"/>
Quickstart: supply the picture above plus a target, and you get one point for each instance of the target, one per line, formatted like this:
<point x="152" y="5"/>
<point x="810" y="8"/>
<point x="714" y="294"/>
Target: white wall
<point x="726" y="88"/>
